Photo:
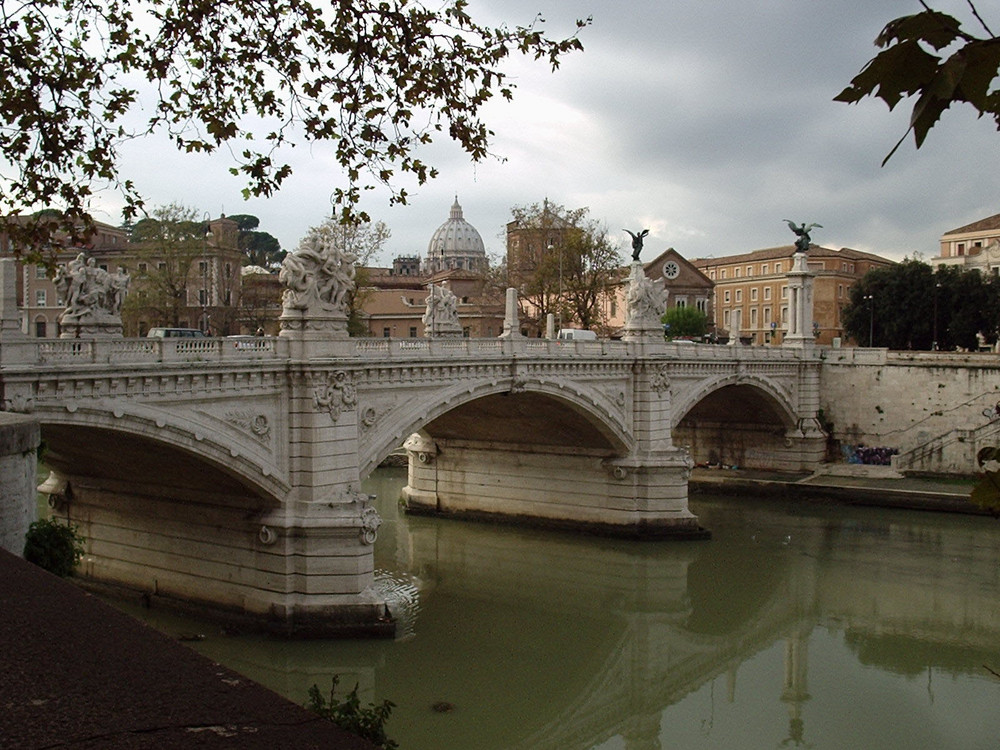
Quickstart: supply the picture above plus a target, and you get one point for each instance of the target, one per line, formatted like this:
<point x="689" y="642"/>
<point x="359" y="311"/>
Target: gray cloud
<point x="707" y="121"/>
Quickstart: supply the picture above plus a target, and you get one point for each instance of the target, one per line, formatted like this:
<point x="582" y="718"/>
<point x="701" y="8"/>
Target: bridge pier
<point x="296" y="569"/>
<point x="553" y="488"/>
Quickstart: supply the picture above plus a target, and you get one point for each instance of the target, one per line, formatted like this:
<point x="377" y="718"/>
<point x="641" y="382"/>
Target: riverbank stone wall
<point x="19" y="439"/>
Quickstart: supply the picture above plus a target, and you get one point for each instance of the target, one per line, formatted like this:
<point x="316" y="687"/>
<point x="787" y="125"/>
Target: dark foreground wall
<point x="78" y="672"/>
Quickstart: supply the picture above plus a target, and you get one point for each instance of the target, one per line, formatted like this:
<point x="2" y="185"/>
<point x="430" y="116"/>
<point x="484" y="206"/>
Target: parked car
<point x="172" y="333"/>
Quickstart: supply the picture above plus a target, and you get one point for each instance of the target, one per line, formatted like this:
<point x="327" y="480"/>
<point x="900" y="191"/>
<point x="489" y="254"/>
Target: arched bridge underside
<point x="207" y="473"/>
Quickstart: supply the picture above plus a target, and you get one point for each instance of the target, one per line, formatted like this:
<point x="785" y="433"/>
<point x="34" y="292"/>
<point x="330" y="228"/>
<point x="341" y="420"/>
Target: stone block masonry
<point x="19" y="439"/>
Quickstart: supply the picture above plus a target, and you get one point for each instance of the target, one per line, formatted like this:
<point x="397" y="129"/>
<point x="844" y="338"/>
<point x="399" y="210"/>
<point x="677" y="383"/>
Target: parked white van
<point x="171" y="333"/>
<point x="576" y="334"/>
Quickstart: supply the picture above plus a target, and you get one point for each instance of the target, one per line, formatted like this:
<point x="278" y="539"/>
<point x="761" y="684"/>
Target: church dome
<point x="455" y="245"/>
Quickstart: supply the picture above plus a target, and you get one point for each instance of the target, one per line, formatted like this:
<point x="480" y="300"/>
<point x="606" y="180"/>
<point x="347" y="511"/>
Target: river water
<point x="799" y="624"/>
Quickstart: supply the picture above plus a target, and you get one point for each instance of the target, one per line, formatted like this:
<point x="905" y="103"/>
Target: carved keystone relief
<point x="658" y="380"/>
<point x="335" y="395"/>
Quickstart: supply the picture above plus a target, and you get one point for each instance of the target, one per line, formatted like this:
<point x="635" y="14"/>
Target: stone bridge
<point x="227" y="473"/>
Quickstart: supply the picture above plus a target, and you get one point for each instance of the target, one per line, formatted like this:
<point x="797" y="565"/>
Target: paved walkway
<point x="875" y="488"/>
<point x="76" y="673"/>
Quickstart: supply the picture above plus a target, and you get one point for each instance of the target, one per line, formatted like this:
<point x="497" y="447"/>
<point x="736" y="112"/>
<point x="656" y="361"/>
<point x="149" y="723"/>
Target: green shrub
<point x="54" y="546"/>
<point x="348" y="714"/>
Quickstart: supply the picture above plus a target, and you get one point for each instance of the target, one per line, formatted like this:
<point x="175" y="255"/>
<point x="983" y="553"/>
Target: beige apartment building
<point x="973" y="246"/>
<point x="751" y="290"/>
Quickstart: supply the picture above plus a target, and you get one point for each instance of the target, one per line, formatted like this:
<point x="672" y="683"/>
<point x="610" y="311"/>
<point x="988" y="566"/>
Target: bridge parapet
<point x="386" y="348"/>
<point x="144" y="350"/>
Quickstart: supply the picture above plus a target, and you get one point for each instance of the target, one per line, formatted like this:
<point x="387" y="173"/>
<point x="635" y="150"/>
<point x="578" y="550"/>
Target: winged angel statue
<point x="801" y="232"/>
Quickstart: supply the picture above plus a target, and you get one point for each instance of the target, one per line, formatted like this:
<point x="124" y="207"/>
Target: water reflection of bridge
<point x="558" y="641"/>
<point x="640" y="628"/>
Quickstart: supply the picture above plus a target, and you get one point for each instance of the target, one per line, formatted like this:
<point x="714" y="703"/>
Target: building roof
<point x="786" y="251"/>
<point x="989" y="224"/>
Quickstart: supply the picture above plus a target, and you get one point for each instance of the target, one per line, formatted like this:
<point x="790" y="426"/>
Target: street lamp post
<point x="560" y="299"/>
<point x="871" y="318"/>
<point x="937" y="287"/>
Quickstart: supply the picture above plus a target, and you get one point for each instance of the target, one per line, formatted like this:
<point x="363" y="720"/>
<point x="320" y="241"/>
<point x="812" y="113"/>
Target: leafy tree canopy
<point x="258" y="248"/>
<point x="570" y="266"/>
<point x="930" y="55"/>
<point x="911" y="306"/>
<point x="685" y="321"/>
<point x="375" y="78"/>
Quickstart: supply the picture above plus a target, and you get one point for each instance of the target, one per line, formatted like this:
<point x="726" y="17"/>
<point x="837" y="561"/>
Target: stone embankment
<point x="850" y="484"/>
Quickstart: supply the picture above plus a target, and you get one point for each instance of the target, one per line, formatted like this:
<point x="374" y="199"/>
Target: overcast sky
<point x="706" y="122"/>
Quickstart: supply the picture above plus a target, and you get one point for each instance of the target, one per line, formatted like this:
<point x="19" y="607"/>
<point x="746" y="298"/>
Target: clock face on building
<point x="671" y="269"/>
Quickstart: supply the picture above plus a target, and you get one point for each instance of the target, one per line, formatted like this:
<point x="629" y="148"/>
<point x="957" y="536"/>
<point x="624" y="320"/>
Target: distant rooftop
<point x="988" y="224"/>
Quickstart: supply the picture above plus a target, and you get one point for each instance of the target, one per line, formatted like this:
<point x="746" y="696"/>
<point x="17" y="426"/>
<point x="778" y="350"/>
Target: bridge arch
<point x="740" y="420"/>
<point x="559" y="415"/>
<point x="152" y="447"/>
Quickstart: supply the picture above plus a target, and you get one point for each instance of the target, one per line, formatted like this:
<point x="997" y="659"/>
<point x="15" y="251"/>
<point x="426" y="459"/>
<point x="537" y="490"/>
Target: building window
<point x="763" y="269"/>
<point x="202" y="297"/>
<point x="749" y="271"/>
<point x="736" y="273"/>
<point x="725" y="318"/>
<point x="142" y="268"/>
<point x="702" y="304"/>
<point x="41" y="273"/>
<point x="784" y="292"/>
<point x="413" y="332"/>
<point x="40" y="329"/>
<point x="739" y="295"/>
<point x="466" y="332"/>
<point x="228" y="298"/>
<point x="722" y="274"/>
<point x="767" y="316"/>
<point x="840" y="291"/>
<point x="40" y="298"/>
<point x="682" y="302"/>
<point x="711" y="274"/>
<point x="725" y="296"/>
<point x="753" y="317"/>
<point x="614" y="310"/>
<point x="385" y="332"/>
<point x="753" y="294"/>
<point x="202" y="267"/>
<point x="767" y="292"/>
<point x="161" y="266"/>
<point x="784" y="314"/>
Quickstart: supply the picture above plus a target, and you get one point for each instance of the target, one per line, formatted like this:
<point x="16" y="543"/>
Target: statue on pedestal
<point x="93" y="298"/>
<point x="801" y="232"/>
<point x="645" y="303"/>
<point x="318" y="274"/>
<point x="319" y="281"/>
<point x="636" y="243"/>
<point x="441" y="316"/>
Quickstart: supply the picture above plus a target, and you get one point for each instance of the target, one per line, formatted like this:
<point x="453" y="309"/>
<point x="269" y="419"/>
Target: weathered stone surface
<point x="19" y="438"/>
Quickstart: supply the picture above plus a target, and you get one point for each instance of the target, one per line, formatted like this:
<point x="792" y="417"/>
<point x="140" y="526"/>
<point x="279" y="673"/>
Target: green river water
<point x="798" y="624"/>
